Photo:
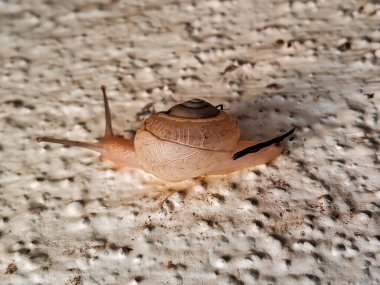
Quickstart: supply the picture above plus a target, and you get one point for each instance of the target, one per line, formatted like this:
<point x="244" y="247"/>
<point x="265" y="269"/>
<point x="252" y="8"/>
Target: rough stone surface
<point x="310" y="217"/>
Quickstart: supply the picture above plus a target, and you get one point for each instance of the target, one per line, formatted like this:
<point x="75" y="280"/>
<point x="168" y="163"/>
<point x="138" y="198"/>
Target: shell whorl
<point x="193" y="109"/>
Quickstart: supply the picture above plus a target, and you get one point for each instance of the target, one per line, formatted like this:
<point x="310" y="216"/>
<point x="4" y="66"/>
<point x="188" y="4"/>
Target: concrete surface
<point x="309" y="217"/>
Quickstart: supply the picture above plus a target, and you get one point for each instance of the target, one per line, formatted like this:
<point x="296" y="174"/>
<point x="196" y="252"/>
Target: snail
<point x="191" y="139"/>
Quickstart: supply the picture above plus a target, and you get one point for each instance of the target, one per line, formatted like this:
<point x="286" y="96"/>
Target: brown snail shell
<point x="186" y="141"/>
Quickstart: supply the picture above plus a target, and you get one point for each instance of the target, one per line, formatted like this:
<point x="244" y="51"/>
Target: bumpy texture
<point x="310" y="217"/>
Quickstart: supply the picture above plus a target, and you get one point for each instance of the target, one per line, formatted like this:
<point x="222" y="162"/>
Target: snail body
<point x="191" y="139"/>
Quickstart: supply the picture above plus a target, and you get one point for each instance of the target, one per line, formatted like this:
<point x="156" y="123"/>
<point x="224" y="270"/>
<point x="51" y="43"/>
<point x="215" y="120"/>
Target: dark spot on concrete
<point x="11" y="268"/>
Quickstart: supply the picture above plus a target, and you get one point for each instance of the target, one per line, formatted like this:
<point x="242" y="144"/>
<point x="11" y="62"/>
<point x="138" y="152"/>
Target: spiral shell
<point x="177" y="148"/>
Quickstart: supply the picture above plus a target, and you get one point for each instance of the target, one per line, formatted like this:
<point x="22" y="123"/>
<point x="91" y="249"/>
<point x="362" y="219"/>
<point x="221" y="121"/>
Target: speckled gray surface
<point x="309" y="217"/>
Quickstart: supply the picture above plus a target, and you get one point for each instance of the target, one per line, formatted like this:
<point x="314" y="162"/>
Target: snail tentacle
<point x="107" y="112"/>
<point x="116" y="149"/>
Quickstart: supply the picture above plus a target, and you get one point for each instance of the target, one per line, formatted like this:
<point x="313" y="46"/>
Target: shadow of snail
<point x="189" y="140"/>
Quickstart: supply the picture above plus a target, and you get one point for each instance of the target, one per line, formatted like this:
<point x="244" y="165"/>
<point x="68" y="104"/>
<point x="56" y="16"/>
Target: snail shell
<point x="187" y="141"/>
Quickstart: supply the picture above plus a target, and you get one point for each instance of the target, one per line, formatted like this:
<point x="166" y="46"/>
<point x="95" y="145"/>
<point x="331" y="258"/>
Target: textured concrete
<point x="310" y="217"/>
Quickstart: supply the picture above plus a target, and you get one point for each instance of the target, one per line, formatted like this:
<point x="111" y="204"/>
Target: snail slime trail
<point x="191" y="139"/>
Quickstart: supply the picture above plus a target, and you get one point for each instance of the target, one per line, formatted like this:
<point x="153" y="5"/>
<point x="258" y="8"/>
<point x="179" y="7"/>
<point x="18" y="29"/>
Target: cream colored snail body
<point x="190" y="139"/>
